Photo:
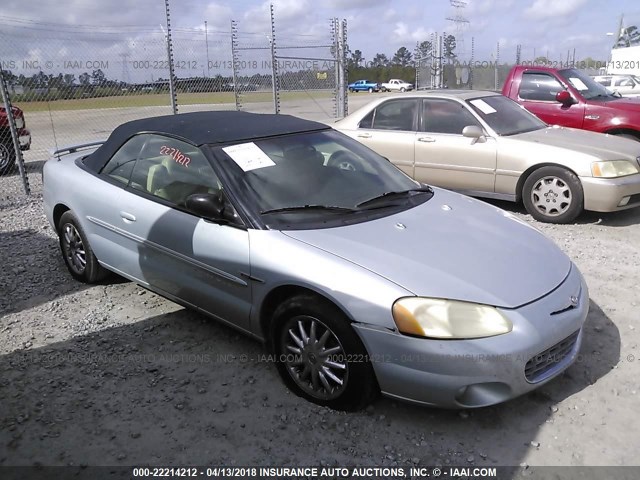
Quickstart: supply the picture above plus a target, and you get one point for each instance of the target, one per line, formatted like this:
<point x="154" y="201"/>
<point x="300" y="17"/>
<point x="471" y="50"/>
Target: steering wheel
<point x="345" y="160"/>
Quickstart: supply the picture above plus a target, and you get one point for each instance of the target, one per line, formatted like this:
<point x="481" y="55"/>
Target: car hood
<point x="451" y="247"/>
<point x="603" y="146"/>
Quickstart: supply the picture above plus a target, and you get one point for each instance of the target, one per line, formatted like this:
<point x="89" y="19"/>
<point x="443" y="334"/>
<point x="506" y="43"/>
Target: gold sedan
<point x="484" y="144"/>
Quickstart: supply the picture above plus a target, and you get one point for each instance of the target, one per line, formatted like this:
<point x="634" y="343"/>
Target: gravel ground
<point x="115" y="375"/>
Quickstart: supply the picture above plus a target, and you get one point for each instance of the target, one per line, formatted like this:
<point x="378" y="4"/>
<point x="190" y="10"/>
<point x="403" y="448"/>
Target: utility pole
<point x="206" y="40"/>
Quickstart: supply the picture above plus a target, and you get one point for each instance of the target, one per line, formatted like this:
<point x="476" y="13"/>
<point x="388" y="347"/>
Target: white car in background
<point x="625" y="85"/>
<point x="396" y="85"/>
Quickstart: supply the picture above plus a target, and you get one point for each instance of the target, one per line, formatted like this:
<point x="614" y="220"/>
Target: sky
<point x="127" y="36"/>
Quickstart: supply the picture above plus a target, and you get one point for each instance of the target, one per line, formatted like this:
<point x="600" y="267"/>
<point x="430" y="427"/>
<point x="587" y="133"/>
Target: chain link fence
<point x="82" y="81"/>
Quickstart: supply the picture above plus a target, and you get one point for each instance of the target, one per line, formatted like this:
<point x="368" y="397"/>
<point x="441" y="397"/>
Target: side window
<point x="539" y="86"/>
<point x="121" y="164"/>
<point x="393" y="115"/>
<point x="171" y="169"/>
<point x="446" y="116"/>
<point x="623" y="82"/>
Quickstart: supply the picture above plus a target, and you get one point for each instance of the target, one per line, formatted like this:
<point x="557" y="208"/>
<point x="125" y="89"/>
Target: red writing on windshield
<point x="176" y="154"/>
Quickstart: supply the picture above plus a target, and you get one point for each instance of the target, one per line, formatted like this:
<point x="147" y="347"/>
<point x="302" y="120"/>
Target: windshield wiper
<point x="388" y="195"/>
<point x="328" y="208"/>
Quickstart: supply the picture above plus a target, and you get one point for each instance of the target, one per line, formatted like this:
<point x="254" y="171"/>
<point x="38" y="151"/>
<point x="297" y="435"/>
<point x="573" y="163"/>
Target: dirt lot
<point x="114" y="375"/>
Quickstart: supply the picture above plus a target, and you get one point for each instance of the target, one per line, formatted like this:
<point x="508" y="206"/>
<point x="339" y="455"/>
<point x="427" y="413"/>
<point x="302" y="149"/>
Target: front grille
<point x="540" y="365"/>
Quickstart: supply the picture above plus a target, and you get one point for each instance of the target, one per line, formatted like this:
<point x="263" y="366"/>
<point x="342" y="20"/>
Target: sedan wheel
<point x="553" y="195"/>
<point x="77" y="254"/>
<point x="319" y="356"/>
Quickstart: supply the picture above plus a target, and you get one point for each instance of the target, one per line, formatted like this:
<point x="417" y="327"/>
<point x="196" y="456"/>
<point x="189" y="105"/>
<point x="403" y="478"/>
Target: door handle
<point x="364" y="135"/>
<point x="426" y="139"/>
<point x="127" y="217"/>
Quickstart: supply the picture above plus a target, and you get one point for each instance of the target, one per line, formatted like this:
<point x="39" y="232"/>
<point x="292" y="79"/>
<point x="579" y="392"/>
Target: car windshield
<point x="587" y="86"/>
<point x="505" y="116"/>
<point x="318" y="174"/>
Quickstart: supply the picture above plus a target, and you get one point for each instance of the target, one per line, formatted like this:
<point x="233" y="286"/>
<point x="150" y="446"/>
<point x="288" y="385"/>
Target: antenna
<point x="460" y="22"/>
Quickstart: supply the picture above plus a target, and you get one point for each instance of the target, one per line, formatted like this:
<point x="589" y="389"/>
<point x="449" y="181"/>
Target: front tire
<point x="553" y="195"/>
<point x="7" y="157"/>
<point x="76" y="251"/>
<point x="629" y="136"/>
<point x="370" y="90"/>
<point x="319" y="355"/>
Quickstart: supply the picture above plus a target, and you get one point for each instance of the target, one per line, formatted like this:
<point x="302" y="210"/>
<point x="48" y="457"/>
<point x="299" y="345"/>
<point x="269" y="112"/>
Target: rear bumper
<point x="611" y="194"/>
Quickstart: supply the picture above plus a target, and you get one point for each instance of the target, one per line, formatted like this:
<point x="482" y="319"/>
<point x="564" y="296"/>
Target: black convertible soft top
<point x="202" y="128"/>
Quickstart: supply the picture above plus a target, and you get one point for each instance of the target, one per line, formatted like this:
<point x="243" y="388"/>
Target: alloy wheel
<point x="74" y="250"/>
<point x="314" y="357"/>
<point x="551" y="196"/>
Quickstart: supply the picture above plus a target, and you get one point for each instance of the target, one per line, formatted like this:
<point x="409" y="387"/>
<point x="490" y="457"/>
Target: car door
<point x="390" y="130"/>
<point x="537" y="93"/>
<point x="444" y="157"/>
<point x="176" y="252"/>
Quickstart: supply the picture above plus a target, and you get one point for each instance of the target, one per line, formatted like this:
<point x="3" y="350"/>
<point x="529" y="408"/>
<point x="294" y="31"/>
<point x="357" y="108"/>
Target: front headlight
<point x="613" y="168"/>
<point x="450" y="319"/>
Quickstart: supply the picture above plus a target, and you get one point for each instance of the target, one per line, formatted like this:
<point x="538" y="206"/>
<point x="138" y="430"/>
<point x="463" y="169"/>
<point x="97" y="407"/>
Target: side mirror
<point x="564" y="98"/>
<point x="212" y="206"/>
<point x="474" y="132"/>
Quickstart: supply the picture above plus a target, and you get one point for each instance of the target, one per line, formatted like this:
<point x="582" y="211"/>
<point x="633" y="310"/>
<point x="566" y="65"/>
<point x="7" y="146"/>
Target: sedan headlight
<point x="613" y="168"/>
<point x="449" y="319"/>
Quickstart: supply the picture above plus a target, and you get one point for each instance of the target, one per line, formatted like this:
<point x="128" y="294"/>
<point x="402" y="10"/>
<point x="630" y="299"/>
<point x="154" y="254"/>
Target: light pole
<point x="206" y="41"/>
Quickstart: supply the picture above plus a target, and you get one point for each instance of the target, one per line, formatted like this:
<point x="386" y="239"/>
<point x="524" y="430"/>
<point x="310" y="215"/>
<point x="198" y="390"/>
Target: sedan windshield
<point x="323" y="173"/>
<point x="587" y="86"/>
<point x="505" y="116"/>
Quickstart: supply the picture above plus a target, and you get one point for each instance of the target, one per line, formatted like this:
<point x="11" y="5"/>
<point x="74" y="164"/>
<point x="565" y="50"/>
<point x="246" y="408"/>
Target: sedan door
<point x="444" y="157"/>
<point x="176" y="252"/>
<point x="390" y="130"/>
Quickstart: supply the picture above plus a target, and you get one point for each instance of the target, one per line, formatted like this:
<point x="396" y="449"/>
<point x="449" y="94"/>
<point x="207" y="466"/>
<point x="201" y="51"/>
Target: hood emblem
<point x="574" y="300"/>
<point x="446" y="207"/>
<point x="400" y="226"/>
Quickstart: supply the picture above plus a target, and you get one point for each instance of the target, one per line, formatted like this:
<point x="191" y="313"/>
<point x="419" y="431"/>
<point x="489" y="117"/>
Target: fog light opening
<point x="482" y="394"/>
<point x="624" y="201"/>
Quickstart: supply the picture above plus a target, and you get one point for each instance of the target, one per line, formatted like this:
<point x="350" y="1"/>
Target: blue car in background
<point x="364" y="86"/>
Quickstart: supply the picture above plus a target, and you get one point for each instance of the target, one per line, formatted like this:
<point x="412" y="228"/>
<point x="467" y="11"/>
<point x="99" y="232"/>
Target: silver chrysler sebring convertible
<point x="358" y="281"/>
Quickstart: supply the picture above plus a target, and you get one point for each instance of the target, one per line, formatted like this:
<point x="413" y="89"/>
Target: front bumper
<point x="609" y="194"/>
<point x="482" y="372"/>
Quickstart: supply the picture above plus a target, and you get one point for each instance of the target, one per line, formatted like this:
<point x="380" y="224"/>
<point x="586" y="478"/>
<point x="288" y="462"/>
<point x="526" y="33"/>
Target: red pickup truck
<point x="571" y="98"/>
<point x="7" y="152"/>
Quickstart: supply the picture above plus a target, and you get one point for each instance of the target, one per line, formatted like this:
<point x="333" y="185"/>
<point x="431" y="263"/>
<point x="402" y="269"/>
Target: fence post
<point x="342" y="39"/>
<point x="274" y="65"/>
<point x="495" y="74"/>
<point x="4" y="90"/>
<point x="172" y="87"/>
<point x="234" y="62"/>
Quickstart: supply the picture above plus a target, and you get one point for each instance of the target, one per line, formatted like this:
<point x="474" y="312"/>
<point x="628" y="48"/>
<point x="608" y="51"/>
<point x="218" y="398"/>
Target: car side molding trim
<point x="171" y="253"/>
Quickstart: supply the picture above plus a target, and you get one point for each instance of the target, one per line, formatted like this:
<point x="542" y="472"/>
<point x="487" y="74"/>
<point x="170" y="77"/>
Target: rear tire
<point x="553" y="195"/>
<point x="7" y="157"/>
<point x="319" y="355"/>
<point x="76" y="251"/>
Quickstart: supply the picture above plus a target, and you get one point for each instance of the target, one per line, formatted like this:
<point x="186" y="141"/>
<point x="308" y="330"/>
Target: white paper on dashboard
<point x="248" y="156"/>
<point x="483" y="106"/>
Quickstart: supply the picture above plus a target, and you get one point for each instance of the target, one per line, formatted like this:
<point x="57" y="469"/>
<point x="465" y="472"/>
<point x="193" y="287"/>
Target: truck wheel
<point x="352" y="90"/>
<point x="7" y="157"/>
<point x="370" y="89"/>
<point x="402" y="89"/>
<point x="319" y="356"/>
<point x="553" y="195"/>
